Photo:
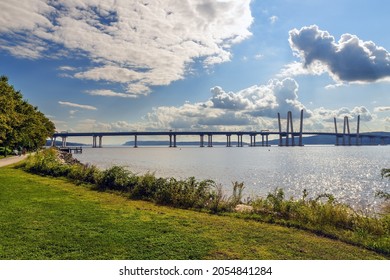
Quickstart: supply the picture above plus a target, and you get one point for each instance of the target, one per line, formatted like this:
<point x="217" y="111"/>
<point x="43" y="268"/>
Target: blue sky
<point x="199" y="64"/>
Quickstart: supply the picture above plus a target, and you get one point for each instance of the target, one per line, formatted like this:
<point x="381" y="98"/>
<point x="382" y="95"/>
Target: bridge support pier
<point x="94" y="141"/>
<point x="201" y="140"/>
<point x="266" y="140"/>
<point x="135" y="141"/>
<point x="63" y="141"/>
<point x="358" y="131"/>
<point x="345" y="130"/>
<point x="172" y="140"/>
<point x="209" y="140"/>
<point x="346" y="135"/>
<point x="239" y="140"/>
<point x="280" y="131"/>
<point x="253" y="140"/>
<point x="53" y="141"/>
<point x="100" y="141"/>
<point x="335" y="130"/>
<point x="301" y="130"/>
<point x="228" y="140"/>
<point x="290" y="125"/>
<point x="290" y="131"/>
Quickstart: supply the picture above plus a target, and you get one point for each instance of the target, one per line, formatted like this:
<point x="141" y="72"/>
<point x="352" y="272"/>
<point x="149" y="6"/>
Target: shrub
<point x="85" y="174"/>
<point x="5" y="151"/>
<point x="165" y="191"/>
<point x="275" y="200"/>
<point x="188" y="193"/>
<point x="194" y="194"/>
<point x="217" y="202"/>
<point x="145" y="187"/>
<point x="91" y="174"/>
<point x="46" y="162"/>
<point x="236" y="197"/>
<point x="116" y="178"/>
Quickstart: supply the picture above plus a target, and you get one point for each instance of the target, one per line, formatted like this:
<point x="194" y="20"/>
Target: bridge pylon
<point x="347" y="132"/>
<point x="290" y="130"/>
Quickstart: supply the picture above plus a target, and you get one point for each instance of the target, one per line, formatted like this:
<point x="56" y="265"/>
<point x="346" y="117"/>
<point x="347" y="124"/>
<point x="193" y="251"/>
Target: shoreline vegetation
<point x="322" y="215"/>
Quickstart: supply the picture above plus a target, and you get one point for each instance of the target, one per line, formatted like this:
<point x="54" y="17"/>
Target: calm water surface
<point x="351" y="174"/>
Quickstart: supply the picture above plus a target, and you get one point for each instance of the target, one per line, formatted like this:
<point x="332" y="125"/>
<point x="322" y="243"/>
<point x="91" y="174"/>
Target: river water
<point x="350" y="173"/>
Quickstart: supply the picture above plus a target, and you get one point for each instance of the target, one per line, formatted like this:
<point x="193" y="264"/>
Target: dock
<point x="72" y="150"/>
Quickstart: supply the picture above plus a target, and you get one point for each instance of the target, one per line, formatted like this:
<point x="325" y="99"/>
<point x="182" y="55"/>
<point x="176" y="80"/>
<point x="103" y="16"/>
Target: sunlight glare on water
<point x="351" y="174"/>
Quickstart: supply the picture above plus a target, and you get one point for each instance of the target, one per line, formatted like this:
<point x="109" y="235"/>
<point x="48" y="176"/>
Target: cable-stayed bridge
<point x="287" y="137"/>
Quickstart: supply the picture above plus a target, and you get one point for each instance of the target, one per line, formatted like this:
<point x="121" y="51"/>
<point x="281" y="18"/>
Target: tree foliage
<point x="22" y="125"/>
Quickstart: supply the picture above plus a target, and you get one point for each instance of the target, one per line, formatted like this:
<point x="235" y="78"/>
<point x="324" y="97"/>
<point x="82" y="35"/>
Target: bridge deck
<point x="226" y="133"/>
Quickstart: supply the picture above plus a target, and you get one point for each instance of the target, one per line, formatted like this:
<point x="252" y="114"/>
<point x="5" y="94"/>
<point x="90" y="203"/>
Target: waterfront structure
<point x="286" y="138"/>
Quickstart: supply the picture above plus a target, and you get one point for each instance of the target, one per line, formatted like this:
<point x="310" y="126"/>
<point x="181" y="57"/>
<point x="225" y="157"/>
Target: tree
<point x="21" y="124"/>
<point x="8" y="117"/>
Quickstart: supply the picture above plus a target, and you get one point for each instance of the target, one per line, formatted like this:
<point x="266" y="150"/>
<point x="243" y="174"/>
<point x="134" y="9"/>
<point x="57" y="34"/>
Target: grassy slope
<point x="46" y="218"/>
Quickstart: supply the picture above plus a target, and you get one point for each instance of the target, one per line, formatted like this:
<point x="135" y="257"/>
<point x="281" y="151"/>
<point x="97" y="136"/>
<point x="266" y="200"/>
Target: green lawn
<point x="46" y="218"/>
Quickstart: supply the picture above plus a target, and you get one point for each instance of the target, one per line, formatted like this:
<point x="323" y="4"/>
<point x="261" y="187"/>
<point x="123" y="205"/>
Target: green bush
<point x="188" y="193"/>
<point x="116" y="178"/>
<point x="307" y="212"/>
<point x="85" y="174"/>
<point x="236" y="197"/>
<point x="5" y="151"/>
<point x="46" y="162"/>
<point x="218" y="201"/>
<point x="91" y="174"/>
<point x="145" y="187"/>
<point x="325" y="215"/>
<point x="194" y="194"/>
<point x="164" y="193"/>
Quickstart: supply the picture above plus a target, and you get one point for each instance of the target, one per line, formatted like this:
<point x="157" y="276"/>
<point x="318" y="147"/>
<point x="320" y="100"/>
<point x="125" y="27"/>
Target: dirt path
<point x="11" y="160"/>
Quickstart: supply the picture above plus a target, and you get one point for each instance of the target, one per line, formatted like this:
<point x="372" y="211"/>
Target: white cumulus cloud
<point x="250" y="108"/>
<point x="349" y="59"/>
<point x="382" y="109"/>
<point x="138" y="43"/>
<point x="328" y="115"/>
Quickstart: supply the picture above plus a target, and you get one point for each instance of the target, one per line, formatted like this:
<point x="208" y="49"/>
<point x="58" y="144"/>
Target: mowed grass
<point x="46" y="218"/>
